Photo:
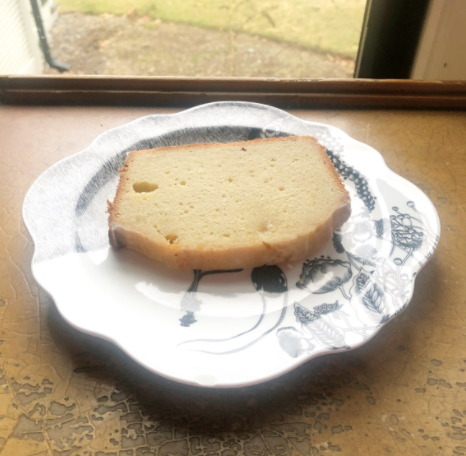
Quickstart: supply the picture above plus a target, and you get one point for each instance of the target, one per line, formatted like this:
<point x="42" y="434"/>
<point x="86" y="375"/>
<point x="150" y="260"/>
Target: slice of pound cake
<point x="227" y="206"/>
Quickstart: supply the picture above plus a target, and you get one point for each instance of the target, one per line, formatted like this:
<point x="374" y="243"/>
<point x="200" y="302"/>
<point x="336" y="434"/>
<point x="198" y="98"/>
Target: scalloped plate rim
<point x="260" y="379"/>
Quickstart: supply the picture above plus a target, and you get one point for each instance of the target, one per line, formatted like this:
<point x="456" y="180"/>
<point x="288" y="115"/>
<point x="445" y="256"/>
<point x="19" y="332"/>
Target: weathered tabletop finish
<point x="404" y="393"/>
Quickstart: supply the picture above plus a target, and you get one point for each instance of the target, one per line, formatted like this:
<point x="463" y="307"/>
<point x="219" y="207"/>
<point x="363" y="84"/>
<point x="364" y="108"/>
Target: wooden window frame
<point x="185" y="91"/>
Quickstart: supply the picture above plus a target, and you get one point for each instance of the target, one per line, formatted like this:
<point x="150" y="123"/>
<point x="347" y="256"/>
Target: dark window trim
<point x="185" y="91"/>
<point x="389" y="38"/>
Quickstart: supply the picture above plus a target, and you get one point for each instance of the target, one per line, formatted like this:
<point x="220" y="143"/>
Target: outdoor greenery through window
<point x="246" y="38"/>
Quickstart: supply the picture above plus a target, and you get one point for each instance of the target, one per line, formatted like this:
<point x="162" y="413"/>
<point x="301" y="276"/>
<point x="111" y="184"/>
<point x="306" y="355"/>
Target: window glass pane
<point x="244" y="38"/>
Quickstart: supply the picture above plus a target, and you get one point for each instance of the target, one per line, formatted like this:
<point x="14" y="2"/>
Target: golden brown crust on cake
<point x="230" y="254"/>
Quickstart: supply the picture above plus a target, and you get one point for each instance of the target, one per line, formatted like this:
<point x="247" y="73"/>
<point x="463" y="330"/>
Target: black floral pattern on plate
<point x="357" y="277"/>
<point x="304" y="315"/>
<point x="337" y="273"/>
<point x="360" y="182"/>
<point x="267" y="280"/>
<point x="378" y="283"/>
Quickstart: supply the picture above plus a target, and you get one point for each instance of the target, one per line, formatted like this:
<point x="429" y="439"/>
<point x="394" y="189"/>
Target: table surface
<point x="404" y="393"/>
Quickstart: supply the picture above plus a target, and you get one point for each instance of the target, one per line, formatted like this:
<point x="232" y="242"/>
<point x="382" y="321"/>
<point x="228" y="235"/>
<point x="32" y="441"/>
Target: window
<point x="239" y="38"/>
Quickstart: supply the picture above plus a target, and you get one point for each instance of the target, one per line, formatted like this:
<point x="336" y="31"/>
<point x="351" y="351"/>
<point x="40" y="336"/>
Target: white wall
<point x="20" y="51"/>
<point x="442" y="49"/>
<point x="19" y="43"/>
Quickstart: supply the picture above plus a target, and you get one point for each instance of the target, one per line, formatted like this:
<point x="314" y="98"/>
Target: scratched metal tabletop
<point x="404" y="392"/>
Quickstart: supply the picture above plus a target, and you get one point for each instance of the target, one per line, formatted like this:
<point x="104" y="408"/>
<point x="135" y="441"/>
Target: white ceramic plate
<point x="228" y="328"/>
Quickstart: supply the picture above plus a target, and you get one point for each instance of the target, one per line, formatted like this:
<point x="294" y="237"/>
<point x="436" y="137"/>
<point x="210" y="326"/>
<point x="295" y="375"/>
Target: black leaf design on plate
<point x="270" y="279"/>
<point x="361" y="281"/>
<point x="384" y="319"/>
<point x="304" y="315"/>
<point x="347" y="172"/>
<point x="326" y="334"/>
<point x="373" y="299"/>
<point x="337" y="273"/>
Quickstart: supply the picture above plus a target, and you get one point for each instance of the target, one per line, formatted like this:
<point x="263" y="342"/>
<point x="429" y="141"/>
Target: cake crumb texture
<point x="237" y="205"/>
